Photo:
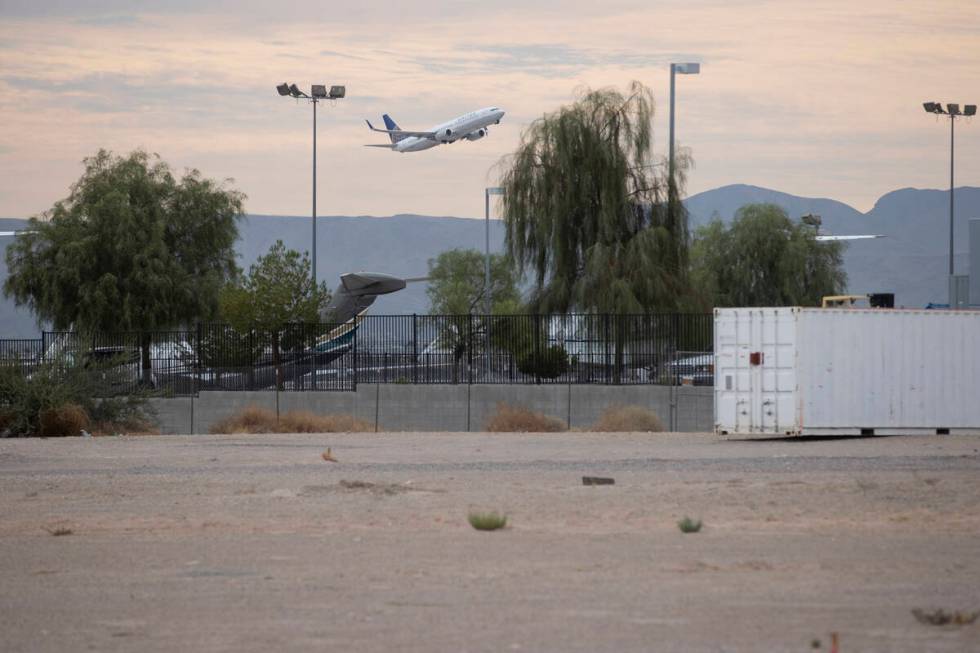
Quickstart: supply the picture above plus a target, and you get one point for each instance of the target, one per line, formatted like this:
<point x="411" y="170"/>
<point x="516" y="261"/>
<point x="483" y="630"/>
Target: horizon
<point x="818" y="101"/>
<point x="497" y="217"/>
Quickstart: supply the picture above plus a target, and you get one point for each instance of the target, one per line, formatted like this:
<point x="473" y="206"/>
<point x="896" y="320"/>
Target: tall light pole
<point x="317" y="92"/>
<point x="495" y="190"/>
<point x="952" y="110"/>
<point x="683" y="69"/>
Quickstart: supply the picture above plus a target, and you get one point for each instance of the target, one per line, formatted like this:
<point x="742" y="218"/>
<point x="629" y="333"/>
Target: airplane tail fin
<point x="390" y="124"/>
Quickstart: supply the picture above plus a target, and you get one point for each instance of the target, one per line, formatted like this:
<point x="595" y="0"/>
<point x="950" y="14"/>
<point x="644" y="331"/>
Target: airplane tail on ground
<point x="390" y="124"/>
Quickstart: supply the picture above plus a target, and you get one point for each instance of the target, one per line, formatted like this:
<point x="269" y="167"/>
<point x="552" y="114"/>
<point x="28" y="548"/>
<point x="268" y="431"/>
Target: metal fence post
<point x="537" y="347"/>
<point x="356" y="329"/>
<point x="415" y="348"/>
<point x="605" y="341"/>
<point x="469" y="349"/>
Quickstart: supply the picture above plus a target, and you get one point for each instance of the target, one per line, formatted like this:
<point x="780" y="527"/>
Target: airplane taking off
<point x="472" y="126"/>
<point x="816" y="222"/>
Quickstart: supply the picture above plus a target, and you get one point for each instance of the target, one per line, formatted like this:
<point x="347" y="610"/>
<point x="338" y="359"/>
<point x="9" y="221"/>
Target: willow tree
<point x="588" y="215"/>
<point x="589" y="218"/>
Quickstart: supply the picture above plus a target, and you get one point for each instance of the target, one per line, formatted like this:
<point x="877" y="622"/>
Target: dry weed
<point x="303" y="421"/>
<point x="942" y="617"/>
<point x="518" y="419"/>
<point x="67" y="419"/>
<point x="253" y="419"/>
<point x="130" y="427"/>
<point x="628" y="419"/>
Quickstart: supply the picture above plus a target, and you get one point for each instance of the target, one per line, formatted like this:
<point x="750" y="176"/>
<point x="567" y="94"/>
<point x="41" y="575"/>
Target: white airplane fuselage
<point x="471" y="126"/>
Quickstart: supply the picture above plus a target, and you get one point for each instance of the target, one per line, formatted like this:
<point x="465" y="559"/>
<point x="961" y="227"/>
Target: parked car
<point x="691" y="370"/>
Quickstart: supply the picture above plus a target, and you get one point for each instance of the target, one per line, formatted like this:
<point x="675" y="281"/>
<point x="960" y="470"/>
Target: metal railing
<point x="666" y="348"/>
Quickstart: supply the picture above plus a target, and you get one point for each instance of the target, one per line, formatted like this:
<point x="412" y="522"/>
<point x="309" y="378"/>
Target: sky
<point x="814" y="98"/>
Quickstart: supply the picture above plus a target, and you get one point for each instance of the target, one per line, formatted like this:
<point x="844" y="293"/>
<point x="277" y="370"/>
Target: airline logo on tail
<point x="392" y="127"/>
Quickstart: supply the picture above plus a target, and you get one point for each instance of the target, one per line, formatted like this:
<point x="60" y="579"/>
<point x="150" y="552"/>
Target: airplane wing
<point x="387" y="146"/>
<point x="856" y="237"/>
<point x="401" y="132"/>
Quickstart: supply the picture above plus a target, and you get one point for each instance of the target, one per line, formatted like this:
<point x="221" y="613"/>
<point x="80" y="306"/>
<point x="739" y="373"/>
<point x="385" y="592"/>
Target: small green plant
<point x="688" y="525"/>
<point x="487" y="521"/>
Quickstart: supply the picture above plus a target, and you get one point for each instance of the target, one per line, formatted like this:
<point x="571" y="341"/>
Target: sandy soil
<point x="255" y="543"/>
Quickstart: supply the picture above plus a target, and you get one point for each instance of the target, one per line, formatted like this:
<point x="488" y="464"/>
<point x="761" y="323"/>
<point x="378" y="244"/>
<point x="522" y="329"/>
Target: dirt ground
<point x="255" y="543"/>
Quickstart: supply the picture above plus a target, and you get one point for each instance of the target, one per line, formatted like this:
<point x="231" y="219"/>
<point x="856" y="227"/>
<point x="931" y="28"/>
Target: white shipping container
<point x="820" y="371"/>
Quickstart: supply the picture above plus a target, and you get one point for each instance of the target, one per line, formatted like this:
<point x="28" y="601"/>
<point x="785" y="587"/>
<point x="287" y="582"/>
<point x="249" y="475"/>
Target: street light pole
<point x="951" y="110"/>
<point x="314" y="193"/>
<point x="317" y="92"/>
<point x="496" y="190"/>
<point x="683" y="69"/>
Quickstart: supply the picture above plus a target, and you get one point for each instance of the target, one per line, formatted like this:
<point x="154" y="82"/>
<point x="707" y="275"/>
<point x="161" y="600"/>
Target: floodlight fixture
<point x="953" y="109"/>
<point x="687" y="68"/>
<point x="337" y="92"/>
<point x="970" y="110"/>
<point x="283" y="88"/>
<point x="318" y="90"/>
<point x="295" y="92"/>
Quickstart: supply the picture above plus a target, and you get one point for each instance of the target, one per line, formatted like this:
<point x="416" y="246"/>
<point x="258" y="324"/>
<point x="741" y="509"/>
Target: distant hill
<point x="911" y="261"/>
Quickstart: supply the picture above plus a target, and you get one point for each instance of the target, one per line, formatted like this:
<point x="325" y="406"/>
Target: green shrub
<point x="487" y="521"/>
<point x="688" y="525"/>
<point x="51" y="399"/>
<point x="547" y="363"/>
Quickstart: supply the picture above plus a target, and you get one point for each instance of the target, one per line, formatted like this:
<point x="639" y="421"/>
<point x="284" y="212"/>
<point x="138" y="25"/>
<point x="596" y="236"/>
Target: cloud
<point x="108" y="20"/>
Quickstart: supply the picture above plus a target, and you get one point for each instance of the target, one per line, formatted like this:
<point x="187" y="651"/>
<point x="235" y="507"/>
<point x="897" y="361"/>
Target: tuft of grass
<point x="941" y="617"/>
<point x="688" y="525"/>
<point x="519" y="419"/>
<point x="627" y="419"/>
<point x="304" y="421"/>
<point x="60" y="531"/>
<point x="487" y="521"/>
<point x="253" y="419"/>
<point x="66" y="419"/>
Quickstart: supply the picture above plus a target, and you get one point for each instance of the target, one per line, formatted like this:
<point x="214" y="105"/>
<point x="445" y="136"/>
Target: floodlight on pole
<point x="317" y="92"/>
<point x="675" y="69"/>
<point x="952" y="111"/>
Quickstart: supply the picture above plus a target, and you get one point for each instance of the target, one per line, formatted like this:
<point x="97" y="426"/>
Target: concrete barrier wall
<point x="397" y="407"/>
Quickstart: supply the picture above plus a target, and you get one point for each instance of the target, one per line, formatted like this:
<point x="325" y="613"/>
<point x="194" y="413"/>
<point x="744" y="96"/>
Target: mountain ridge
<point x="911" y="261"/>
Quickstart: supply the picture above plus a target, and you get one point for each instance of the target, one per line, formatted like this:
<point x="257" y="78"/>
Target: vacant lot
<point x="256" y="543"/>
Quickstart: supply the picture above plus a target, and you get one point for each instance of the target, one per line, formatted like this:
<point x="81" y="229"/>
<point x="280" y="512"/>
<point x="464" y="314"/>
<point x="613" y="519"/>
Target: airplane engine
<point x="446" y="136"/>
<point x="477" y="135"/>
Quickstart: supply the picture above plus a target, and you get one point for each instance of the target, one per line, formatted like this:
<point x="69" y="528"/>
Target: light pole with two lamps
<point x="951" y="110"/>
<point x="317" y="92"/>
<point x="683" y="69"/>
